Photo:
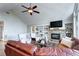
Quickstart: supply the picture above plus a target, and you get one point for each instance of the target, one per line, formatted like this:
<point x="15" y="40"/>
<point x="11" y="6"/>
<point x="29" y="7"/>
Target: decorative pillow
<point x="67" y="42"/>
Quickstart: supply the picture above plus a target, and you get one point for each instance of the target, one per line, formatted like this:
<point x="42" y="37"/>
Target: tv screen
<point x="56" y="24"/>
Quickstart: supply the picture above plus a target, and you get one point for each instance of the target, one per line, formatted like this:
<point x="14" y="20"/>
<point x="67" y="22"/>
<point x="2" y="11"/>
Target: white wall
<point x="74" y="25"/>
<point x="29" y="28"/>
<point x="68" y="19"/>
<point x="76" y="20"/>
<point x="48" y="12"/>
<point x="12" y="26"/>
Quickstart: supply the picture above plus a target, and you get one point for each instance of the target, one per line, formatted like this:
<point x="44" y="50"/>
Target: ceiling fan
<point x="30" y="9"/>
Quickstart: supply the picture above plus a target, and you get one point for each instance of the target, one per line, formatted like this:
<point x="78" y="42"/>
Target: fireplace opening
<point x="55" y="36"/>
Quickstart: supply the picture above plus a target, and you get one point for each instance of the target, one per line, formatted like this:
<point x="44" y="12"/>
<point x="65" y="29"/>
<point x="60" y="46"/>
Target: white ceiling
<point x="47" y="11"/>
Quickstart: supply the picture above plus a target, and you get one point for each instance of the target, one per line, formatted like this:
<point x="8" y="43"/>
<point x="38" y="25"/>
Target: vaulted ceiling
<point x="48" y="11"/>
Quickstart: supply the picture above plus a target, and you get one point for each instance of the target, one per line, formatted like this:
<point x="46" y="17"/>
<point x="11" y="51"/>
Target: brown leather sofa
<point x="16" y="48"/>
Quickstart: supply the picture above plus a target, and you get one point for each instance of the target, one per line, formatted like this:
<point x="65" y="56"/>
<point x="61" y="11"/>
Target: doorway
<point x="1" y="29"/>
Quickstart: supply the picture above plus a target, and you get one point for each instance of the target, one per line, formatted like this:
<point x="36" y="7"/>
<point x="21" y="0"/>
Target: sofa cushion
<point x="49" y="51"/>
<point x="11" y="51"/>
<point x="26" y="48"/>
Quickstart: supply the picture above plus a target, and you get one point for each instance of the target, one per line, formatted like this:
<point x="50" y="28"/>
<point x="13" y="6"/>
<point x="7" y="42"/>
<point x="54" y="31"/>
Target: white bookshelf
<point x="41" y="31"/>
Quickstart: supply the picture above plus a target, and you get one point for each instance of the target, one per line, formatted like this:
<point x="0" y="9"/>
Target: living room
<point x="35" y="27"/>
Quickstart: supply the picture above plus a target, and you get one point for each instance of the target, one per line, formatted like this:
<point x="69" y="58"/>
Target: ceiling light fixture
<point x="30" y="9"/>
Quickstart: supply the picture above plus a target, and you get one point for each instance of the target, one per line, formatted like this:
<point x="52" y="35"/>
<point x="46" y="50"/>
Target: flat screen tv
<point x="56" y="24"/>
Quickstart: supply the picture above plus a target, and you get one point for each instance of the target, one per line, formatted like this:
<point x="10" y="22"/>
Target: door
<point x="1" y="29"/>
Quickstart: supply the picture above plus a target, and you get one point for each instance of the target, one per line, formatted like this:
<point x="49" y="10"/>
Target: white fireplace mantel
<point x="57" y="29"/>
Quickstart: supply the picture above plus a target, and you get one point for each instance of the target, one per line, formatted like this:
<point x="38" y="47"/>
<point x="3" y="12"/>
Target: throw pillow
<point x="67" y="42"/>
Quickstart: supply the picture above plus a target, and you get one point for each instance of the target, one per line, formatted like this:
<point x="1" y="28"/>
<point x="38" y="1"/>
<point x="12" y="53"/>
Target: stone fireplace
<point x="56" y="34"/>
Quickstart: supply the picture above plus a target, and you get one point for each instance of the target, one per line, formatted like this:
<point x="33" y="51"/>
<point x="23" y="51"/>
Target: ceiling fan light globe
<point x="30" y="11"/>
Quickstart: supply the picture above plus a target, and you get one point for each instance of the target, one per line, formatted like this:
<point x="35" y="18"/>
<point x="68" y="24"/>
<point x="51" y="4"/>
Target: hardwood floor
<point x="2" y="44"/>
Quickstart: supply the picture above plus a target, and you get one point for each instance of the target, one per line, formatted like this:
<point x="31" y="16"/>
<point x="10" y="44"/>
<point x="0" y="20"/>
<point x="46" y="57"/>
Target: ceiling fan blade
<point x="34" y="7"/>
<point x="36" y="11"/>
<point x="24" y="6"/>
<point x="25" y="11"/>
<point x="30" y="13"/>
